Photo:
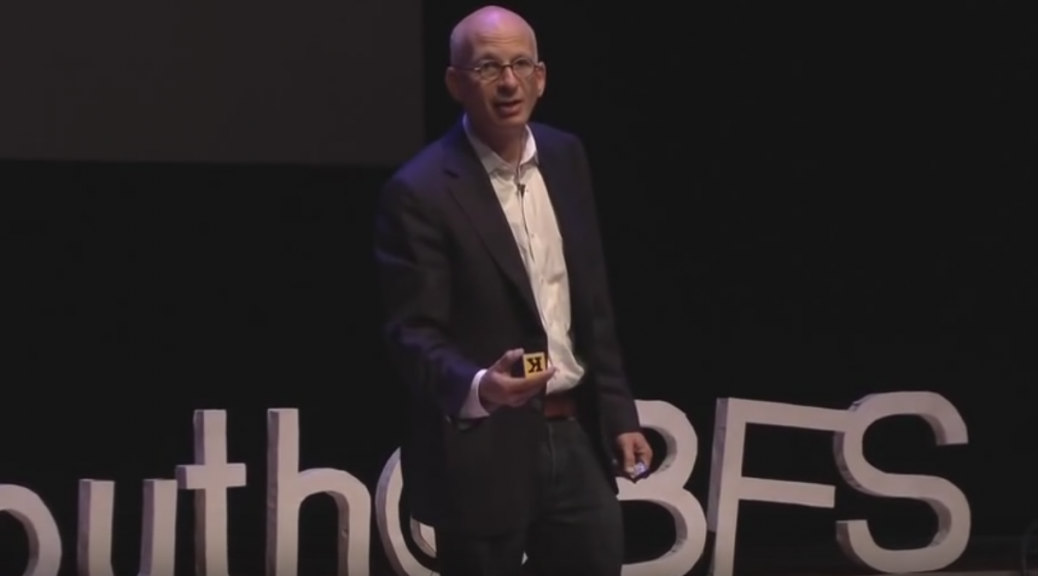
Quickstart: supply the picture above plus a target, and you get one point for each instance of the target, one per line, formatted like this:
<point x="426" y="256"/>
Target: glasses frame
<point x="491" y="71"/>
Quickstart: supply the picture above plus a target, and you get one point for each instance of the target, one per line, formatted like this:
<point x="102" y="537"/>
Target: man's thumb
<point x="504" y="363"/>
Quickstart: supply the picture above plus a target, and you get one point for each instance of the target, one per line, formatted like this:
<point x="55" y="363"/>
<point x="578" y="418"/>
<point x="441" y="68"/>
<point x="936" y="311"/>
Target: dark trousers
<point x="578" y="530"/>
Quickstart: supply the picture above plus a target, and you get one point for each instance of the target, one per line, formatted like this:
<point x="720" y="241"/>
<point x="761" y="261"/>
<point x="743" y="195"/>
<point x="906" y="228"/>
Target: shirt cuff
<point x="473" y="408"/>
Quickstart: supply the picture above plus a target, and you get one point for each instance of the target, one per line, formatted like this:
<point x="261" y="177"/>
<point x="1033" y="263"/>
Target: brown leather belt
<point x="560" y="405"/>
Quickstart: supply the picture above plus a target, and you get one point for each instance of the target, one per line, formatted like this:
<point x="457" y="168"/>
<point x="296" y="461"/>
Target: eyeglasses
<point x="522" y="68"/>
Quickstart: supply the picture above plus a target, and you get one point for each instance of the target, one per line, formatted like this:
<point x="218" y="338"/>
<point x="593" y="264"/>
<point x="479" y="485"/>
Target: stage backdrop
<point x="237" y="81"/>
<point x="802" y="205"/>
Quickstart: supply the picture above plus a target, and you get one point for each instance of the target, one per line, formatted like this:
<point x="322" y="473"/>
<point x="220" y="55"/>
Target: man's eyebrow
<point x="491" y="59"/>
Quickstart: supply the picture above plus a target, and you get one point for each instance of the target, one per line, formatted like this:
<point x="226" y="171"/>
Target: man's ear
<point x="453" y="81"/>
<point x="542" y="79"/>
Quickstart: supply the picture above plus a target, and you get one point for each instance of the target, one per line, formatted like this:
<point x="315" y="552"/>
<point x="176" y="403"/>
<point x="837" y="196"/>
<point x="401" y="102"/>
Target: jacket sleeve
<point x="415" y="277"/>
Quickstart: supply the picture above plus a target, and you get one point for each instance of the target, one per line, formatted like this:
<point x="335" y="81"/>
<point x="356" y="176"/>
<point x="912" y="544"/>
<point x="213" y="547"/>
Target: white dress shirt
<point x="528" y="209"/>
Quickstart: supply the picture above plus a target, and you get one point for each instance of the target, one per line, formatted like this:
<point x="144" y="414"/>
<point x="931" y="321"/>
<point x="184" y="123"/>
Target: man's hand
<point x="499" y="388"/>
<point x="635" y="453"/>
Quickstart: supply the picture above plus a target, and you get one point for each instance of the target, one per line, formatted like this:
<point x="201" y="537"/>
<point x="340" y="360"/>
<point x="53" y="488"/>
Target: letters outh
<point x="212" y="476"/>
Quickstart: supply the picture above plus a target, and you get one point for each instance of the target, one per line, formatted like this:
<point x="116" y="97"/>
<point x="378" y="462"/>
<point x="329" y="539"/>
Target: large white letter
<point x="666" y="488"/>
<point x="210" y="477"/>
<point x="727" y="484"/>
<point x="287" y="487"/>
<point x="947" y="501"/>
<point x="387" y="515"/>
<point x="44" y="539"/>
<point x="158" y="527"/>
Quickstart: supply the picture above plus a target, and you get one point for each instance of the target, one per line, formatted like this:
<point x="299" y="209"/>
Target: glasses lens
<point x="523" y="68"/>
<point x="490" y="70"/>
<point x="493" y="70"/>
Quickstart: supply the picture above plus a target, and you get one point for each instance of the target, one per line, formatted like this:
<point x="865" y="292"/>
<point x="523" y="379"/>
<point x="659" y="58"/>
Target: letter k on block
<point x="534" y="363"/>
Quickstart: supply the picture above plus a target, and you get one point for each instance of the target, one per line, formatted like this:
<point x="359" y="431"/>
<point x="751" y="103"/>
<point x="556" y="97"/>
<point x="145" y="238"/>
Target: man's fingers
<point x="538" y="380"/>
<point x="643" y="454"/>
<point x="534" y="381"/>
<point x="520" y="390"/>
<point x="630" y="462"/>
<point x="533" y="385"/>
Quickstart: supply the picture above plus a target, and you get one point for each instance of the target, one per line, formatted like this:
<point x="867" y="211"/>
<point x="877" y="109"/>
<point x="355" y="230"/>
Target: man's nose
<point x="508" y="78"/>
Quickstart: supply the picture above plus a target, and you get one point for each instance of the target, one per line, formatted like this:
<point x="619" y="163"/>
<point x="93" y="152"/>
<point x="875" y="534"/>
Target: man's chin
<point x="511" y="121"/>
<point x="504" y="125"/>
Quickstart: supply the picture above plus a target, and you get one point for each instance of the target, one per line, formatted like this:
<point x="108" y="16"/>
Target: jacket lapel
<point x="475" y="194"/>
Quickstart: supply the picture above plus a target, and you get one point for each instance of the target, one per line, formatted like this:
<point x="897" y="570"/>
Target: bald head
<point x="496" y="76"/>
<point x="488" y="24"/>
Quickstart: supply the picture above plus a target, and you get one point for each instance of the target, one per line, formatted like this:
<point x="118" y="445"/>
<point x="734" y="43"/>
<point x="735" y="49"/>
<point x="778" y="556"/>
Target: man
<point x="489" y="249"/>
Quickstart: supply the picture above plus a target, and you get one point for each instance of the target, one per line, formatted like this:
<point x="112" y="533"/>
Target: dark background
<point x="802" y="202"/>
<point x="211" y="82"/>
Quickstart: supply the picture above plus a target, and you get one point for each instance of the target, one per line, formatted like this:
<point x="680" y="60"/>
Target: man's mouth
<point x="508" y="105"/>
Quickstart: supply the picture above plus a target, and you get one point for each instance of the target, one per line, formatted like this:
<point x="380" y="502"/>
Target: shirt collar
<point x="493" y="163"/>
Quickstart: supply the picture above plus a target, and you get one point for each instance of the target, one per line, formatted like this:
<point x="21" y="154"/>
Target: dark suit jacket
<point x="457" y="297"/>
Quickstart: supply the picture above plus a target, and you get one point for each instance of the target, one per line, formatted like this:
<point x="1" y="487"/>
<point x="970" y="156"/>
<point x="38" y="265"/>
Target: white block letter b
<point x="287" y="487"/>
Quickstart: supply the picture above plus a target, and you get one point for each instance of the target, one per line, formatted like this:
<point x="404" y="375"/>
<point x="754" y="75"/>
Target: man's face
<point x="500" y="81"/>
